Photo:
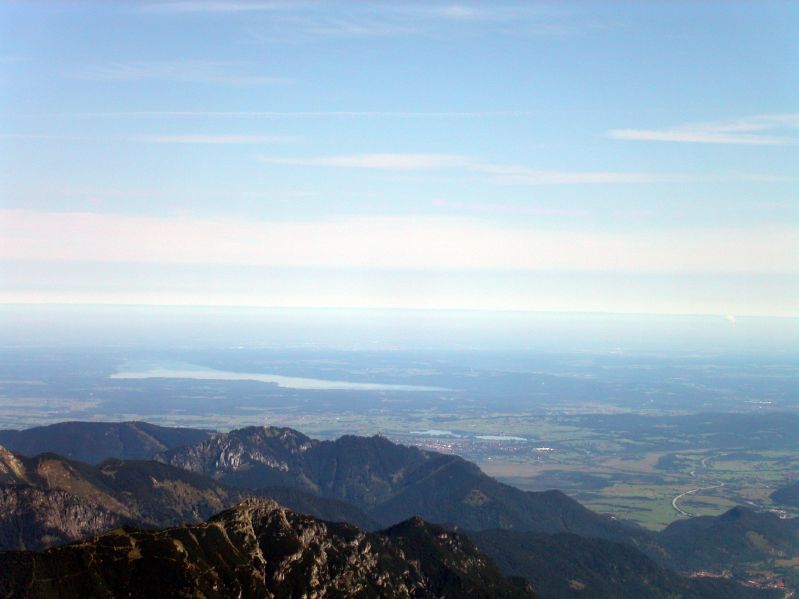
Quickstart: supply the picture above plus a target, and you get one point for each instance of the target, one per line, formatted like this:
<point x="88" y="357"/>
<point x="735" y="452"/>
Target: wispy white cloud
<point x="506" y="174"/>
<point x="420" y="243"/>
<point x="392" y="162"/>
<point x="767" y="129"/>
<point x="213" y="139"/>
<point x="186" y="71"/>
<point x="707" y="137"/>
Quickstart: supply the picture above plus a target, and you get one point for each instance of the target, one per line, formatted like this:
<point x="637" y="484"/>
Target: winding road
<point x="691" y="492"/>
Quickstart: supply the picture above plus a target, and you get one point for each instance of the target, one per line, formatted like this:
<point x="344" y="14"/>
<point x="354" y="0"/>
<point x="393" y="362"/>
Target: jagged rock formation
<point x="259" y="549"/>
<point x="94" y="442"/>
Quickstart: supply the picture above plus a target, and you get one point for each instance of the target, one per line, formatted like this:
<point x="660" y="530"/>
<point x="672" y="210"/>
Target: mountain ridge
<point x="390" y="482"/>
<point x="260" y="549"/>
<point x="93" y="498"/>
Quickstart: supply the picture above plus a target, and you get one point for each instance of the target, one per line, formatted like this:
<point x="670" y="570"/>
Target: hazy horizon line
<point x="729" y="317"/>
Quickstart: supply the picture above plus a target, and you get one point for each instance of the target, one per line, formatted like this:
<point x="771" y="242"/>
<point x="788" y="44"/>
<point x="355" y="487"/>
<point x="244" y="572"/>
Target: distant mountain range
<point x="564" y="549"/>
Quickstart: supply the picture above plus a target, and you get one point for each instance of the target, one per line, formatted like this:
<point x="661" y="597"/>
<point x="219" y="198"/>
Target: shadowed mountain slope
<point x="787" y="495"/>
<point x="566" y="566"/>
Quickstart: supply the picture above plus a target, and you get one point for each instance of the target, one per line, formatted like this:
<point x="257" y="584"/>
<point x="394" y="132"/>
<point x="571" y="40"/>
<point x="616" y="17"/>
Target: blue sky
<point x="590" y="157"/>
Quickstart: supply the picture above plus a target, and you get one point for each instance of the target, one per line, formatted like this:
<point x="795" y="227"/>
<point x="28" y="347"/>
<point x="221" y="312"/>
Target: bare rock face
<point x="267" y="456"/>
<point x="259" y="549"/>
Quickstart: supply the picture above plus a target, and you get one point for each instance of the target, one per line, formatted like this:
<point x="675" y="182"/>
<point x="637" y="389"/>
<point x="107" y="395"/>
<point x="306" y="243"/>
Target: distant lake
<point x="434" y="432"/>
<point x="191" y="371"/>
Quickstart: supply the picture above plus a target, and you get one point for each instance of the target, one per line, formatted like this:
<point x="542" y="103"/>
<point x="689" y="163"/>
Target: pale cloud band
<point x="507" y="174"/>
<point x="424" y="243"/>
<point x="782" y="130"/>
